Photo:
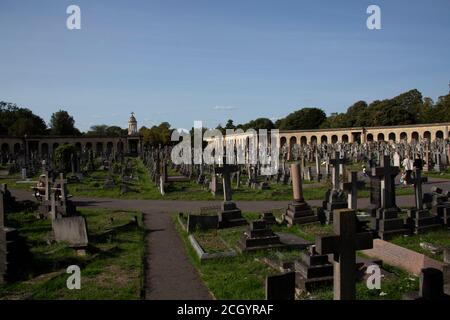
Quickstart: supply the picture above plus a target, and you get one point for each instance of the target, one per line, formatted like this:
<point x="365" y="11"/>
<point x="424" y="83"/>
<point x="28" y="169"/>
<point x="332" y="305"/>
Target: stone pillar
<point x="296" y="176"/>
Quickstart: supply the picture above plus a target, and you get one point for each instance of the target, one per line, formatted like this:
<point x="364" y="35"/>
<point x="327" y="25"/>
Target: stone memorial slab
<point x="72" y="230"/>
<point x="281" y="287"/>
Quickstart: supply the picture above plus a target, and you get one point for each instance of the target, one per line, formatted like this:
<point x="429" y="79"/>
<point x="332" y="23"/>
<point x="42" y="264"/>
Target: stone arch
<point x="404" y="136"/>
<point x="109" y="147"/>
<point x="55" y="145"/>
<point x="415" y="136"/>
<point x="303" y="140"/>
<point x="313" y="140"/>
<point x="78" y="146"/>
<point x="44" y="149"/>
<point x="292" y="141"/>
<point x="334" y="138"/>
<point x="380" y="137"/>
<point x="391" y="137"/>
<point x="427" y="135"/>
<point x="89" y="146"/>
<point x="5" y="148"/>
<point x="324" y="139"/>
<point x="283" y="141"/>
<point x="120" y="145"/>
<point x="370" y="137"/>
<point x="345" y="138"/>
<point x="99" y="147"/>
<point x="17" y="147"/>
<point x="439" y="134"/>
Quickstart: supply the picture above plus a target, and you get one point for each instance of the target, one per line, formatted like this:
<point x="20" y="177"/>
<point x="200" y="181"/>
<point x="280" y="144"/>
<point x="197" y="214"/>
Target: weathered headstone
<point x="281" y="287"/>
<point x="313" y="270"/>
<point x="72" y="230"/>
<point x="419" y="219"/>
<point x="335" y="198"/>
<point x="385" y="219"/>
<point x="352" y="188"/>
<point x="230" y="215"/>
<point x="343" y="245"/>
<point x="431" y="286"/>
<point x="298" y="212"/>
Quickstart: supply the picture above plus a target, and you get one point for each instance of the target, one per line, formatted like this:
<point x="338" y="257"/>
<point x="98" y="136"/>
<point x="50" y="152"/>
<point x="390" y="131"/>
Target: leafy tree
<point x="115" y="131"/>
<point x="63" y="157"/>
<point x="230" y="124"/>
<point x="16" y="121"/>
<point x="97" y="130"/>
<point x="157" y="135"/>
<point x="260" y="123"/>
<point x="61" y="123"/>
<point x="306" y="118"/>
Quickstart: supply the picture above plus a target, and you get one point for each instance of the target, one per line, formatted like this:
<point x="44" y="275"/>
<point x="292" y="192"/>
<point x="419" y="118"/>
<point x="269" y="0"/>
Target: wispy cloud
<point x="225" y="108"/>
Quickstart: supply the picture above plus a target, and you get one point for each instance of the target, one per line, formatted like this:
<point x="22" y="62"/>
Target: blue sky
<point x="211" y="60"/>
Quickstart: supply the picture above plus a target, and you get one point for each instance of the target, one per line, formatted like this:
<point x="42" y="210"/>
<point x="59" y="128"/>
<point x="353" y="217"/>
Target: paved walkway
<point x="170" y="275"/>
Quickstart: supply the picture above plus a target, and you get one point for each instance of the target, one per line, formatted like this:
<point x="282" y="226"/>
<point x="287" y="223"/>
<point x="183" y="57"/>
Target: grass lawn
<point x="243" y="276"/>
<point x="143" y="188"/>
<point x="440" y="238"/>
<point x="114" y="270"/>
<point x="440" y="175"/>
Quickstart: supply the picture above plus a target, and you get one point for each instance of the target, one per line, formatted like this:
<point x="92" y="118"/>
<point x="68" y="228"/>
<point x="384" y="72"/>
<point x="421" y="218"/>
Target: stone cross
<point x="336" y="163"/>
<point x="352" y="188"/>
<point x="226" y="171"/>
<point x="319" y="175"/>
<point x="417" y="181"/>
<point x="62" y="187"/>
<point x="343" y="245"/>
<point x="387" y="173"/>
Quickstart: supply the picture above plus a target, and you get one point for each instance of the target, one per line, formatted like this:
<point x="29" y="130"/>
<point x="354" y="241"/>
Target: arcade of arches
<point x="362" y="135"/>
<point x="46" y="145"/>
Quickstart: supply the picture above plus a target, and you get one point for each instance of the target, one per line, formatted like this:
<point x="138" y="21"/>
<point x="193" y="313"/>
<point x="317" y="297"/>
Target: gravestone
<point x="63" y="206"/>
<point x="420" y="220"/>
<point x="352" y="188"/>
<point x="343" y="245"/>
<point x="385" y="220"/>
<point x="202" y="222"/>
<point x="259" y="236"/>
<point x="14" y="253"/>
<point x="313" y="270"/>
<point x="396" y="159"/>
<point x="72" y="230"/>
<point x="215" y="187"/>
<point x="281" y="287"/>
<point x="230" y="215"/>
<point x="431" y="286"/>
<point x="268" y="217"/>
<point x="298" y="212"/>
<point x="335" y="198"/>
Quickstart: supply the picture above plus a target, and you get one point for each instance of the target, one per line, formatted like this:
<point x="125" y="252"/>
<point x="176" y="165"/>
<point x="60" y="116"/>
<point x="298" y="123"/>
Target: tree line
<point x="405" y="109"/>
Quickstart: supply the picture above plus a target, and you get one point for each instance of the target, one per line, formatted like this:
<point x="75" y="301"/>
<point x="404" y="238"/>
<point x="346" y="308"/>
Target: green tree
<point x="230" y="124"/>
<point x="115" y="131"/>
<point x="306" y="118"/>
<point x="63" y="157"/>
<point x="16" y="121"/>
<point x="157" y="135"/>
<point x="97" y="130"/>
<point x="260" y="123"/>
<point x="63" y="124"/>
